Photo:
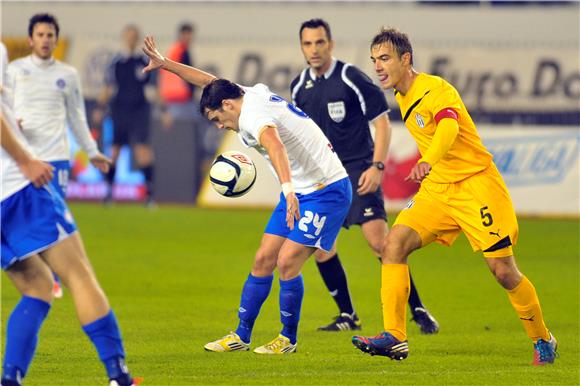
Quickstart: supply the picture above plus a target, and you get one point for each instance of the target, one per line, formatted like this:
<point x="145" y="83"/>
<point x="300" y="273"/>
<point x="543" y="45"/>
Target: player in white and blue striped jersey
<point x="316" y="194"/>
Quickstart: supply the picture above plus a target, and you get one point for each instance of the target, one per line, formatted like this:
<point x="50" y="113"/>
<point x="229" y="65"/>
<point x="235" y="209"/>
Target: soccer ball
<point x="232" y="174"/>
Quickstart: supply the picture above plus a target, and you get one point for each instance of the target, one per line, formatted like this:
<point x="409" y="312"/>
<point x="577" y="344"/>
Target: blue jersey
<point x="342" y="102"/>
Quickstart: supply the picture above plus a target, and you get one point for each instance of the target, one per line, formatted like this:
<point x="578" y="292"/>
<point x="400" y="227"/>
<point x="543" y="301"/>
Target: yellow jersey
<point x="429" y="100"/>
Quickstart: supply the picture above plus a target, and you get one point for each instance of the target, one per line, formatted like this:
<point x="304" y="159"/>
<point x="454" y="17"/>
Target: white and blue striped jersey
<point x="313" y="162"/>
<point x="47" y="94"/>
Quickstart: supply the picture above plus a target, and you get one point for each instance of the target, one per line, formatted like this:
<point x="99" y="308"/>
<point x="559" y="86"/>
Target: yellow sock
<point x="526" y="303"/>
<point x="394" y="295"/>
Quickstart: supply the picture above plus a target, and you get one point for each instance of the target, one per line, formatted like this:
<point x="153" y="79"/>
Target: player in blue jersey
<point x="39" y="235"/>
<point x="316" y="194"/>
<point x="343" y="102"/>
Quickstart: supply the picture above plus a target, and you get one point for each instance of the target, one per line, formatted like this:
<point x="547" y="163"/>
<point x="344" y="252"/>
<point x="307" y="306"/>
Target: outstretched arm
<point x="189" y="74"/>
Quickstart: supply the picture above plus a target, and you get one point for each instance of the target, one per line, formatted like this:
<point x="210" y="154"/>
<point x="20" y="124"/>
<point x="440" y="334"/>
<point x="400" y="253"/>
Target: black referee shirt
<point x="125" y="73"/>
<point x="342" y="102"/>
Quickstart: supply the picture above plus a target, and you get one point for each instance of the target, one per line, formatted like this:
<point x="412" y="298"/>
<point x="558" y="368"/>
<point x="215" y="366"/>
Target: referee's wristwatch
<point x="379" y="165"/>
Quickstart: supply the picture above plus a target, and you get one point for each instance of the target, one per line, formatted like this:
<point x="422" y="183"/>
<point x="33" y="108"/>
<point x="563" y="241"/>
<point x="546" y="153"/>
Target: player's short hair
<point x="315" y="23"/>
<point x="214" y="93"/>
<point x="398" y="39"/>
<point x="185" y="27"/>
<point x="43" y="18"/>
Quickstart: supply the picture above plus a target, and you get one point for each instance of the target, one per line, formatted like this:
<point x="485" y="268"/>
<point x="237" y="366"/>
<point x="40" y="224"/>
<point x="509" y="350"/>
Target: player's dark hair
<point x="313" y="24"/>
<point x="43" y="18"/>
<point x="185" y="27"/>
<point x="398" y="39"/>
<point x="214" y="93"/>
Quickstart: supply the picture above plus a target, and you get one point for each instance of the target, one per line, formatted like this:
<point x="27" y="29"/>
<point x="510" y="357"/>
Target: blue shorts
<point x="322" y="213"/>
<point x="61" y="174"/>
<point x="32" y="221"/>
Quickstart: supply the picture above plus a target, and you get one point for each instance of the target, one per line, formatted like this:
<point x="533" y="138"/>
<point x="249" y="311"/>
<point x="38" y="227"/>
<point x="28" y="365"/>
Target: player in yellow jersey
<point x="461" y="191"/>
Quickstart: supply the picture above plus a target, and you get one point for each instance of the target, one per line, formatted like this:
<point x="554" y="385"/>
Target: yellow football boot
<point x="230" y="342"/>
<point x="280" y="345"/>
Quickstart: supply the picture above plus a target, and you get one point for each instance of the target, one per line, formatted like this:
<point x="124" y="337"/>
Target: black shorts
<point x="367" y="207"/>
<point x="131" y="127"/>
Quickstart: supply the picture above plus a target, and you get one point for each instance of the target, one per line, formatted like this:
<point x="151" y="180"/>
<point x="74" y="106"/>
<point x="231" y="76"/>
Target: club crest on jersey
<point x="60" y="83"/>
<point x="419" y="120"/>
<point x="337" y="111"/>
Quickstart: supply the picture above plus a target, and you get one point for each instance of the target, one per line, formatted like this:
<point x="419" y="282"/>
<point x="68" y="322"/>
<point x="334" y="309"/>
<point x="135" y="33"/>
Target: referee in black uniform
<point x="342" y="100"/>
<point x="125" y="85"/>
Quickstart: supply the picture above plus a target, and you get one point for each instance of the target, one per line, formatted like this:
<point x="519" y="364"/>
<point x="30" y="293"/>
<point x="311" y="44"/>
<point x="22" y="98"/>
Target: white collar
<point x="43" y="63"/>
<point x="328" y="72"/>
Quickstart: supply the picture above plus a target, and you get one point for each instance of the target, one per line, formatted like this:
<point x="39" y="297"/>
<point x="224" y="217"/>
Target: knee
<point x="322" y="256"/>
<point x="394" y="250"/>
<point x="287" y="269"/>
<point x="264" y="263"/>
<point x="39" y="286"/>
<point x="377" y="246"/>
<point x="507" y="276"/>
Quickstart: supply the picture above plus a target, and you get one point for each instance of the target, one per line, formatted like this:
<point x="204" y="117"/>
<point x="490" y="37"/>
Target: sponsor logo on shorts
<point x="410" y="204"/>
<point x="368" y="212"/>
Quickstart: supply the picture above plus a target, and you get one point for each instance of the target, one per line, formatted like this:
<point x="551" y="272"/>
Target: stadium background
<point x="174" y="275"/>
<point x="515" y="65"/>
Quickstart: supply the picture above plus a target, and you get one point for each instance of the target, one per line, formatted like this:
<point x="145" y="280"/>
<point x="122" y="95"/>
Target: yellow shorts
<point x="480" y="206"/>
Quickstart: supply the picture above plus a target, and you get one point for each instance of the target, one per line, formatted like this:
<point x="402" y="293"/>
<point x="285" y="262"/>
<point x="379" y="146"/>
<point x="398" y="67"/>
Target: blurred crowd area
<point x="516" y="63"/>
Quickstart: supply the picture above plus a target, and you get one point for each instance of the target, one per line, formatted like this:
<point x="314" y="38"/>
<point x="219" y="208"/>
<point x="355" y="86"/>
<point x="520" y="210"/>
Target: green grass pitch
<point x="174" y="278"/>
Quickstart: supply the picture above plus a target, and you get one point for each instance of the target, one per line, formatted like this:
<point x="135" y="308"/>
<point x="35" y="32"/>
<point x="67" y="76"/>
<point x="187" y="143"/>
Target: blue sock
<point x="256" y="290"/>
<point x="106" y="337"/>
<point x="291" y="295"/>
<point x="22" y="336"/>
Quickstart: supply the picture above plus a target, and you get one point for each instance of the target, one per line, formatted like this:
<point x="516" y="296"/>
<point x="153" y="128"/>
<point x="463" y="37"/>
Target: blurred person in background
<point x="344" y="102"/>
<point x="177" y="95"/>
<point x="127" y="91"/>
<point x="461" y="191"/>
<point x="179" y="102"/>
<point x="47" y="98"/>
<point x="39" y="235"/>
